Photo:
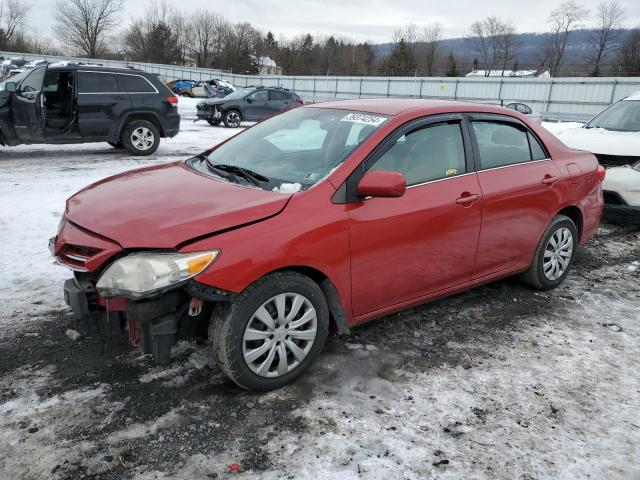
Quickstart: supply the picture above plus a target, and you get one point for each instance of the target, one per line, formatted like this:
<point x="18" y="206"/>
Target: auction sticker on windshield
<point x="364" y="119"/>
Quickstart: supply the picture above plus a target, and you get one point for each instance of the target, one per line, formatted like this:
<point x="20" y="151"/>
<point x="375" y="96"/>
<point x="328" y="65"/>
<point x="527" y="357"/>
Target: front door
<point x="27" y="107"/>
<point x="520" y="188"/>
<point x="425" y="241"/>
<point x="257" y="105"/>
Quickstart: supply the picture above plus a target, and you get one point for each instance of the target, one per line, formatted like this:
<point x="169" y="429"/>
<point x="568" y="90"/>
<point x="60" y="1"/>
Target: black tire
<point x="232" y="118"/>
<point x="117" y="145"/>
<point x="213" y="123"/>
<point x="535" y="276"/>
<point x="229" y="321"/>
<point x="144" y="147"/>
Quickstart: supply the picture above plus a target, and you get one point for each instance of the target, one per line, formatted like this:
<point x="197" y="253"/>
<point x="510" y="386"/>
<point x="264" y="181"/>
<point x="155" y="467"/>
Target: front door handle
<point x="467" y="198"/>
<point x="549" y="179"/>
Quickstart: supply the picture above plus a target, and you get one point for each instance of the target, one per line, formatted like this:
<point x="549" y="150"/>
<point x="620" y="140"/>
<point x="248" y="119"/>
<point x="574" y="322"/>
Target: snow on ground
<point x="498" y="382"/>
<point x="35" y="181"/>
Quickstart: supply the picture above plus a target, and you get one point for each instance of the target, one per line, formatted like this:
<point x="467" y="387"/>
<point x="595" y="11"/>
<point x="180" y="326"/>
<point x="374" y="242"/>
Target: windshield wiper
<point x="221" y="172"/>
<point x="245" y="173"/>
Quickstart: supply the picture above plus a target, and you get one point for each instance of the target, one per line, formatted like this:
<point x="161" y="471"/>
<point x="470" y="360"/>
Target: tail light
<point x="601" y="173"/>
<point x="173" y="100"/>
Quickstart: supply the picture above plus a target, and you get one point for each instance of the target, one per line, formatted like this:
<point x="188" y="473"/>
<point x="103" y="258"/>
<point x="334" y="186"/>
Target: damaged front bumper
<point x="151" y="324"/>
<point x="208" y="112"/>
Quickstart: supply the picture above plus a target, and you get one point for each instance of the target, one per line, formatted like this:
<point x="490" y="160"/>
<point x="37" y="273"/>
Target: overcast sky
<point x="372" y="20"/>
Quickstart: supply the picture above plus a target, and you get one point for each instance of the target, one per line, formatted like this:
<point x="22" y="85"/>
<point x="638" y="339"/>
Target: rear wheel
<point x="554" y="256"/>
<point x="270" y="334"/>
<point x="232" y="118"/>
<point x="140" y="137"/>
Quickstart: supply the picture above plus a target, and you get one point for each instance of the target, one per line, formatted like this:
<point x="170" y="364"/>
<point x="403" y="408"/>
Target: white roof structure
<point x="508" y="73"/>
<point x="266" y="62"/>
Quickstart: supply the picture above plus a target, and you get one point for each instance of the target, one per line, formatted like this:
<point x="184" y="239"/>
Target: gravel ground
<point x="498" y="382"/>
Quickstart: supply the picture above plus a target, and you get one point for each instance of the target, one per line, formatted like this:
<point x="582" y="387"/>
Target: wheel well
<point x="142" y="116"/>
<point x="337" y="315"/>
<point x="574" y="214"/>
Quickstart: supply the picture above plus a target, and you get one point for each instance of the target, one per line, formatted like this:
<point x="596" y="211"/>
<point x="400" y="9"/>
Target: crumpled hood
<point x="213" y="101"/>
<point x="167" y="205"/>
<point x="599" y="140"/>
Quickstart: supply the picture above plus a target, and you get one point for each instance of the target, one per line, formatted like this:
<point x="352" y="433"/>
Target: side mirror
<point x="249" y="100"/>
<point x="382" y="183"/>
<point x="10" y="86"/>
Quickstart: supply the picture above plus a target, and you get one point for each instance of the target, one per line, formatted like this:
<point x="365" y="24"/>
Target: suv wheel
<point x="271" y="332"/>
<point x="554" y="256"/>
<point x="213" y="123"/>
<point x="232" y="119"/>
<point x="140" y="137"/>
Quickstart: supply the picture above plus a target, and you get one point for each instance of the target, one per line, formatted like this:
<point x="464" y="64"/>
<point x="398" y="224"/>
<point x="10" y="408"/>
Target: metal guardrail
<point x="577" y="98"/>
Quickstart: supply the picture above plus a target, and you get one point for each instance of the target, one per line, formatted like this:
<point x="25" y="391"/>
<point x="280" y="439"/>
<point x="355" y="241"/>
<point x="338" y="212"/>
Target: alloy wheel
<point x="142" y="138"/>
<point x="234" y="119"/>
<point x="279" y="335"/>
<point x="557" y="254"/>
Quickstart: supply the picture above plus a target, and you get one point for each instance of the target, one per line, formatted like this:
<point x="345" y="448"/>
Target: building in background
<point x="267" y="66"/>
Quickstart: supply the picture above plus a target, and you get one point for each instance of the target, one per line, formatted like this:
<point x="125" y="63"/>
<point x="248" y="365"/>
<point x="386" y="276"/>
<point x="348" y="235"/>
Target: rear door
<point x="279" y="100"/>
<point x="27" y="107"/>
<point x="100" y="103"/>
<point x="520" y="189"/>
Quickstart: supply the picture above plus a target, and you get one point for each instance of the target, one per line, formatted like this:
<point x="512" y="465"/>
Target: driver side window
<point x="33" y="82"/>
<point x="259" y="96"/>
<point x="430" y="153"/>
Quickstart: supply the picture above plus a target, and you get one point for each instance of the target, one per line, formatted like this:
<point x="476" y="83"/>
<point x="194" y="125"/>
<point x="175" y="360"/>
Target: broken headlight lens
<point x="140" y="275"/>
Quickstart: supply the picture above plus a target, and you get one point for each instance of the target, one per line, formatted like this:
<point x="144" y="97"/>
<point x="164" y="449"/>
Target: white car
<point x="524" y="109"/>
<point x="614" y="137"/>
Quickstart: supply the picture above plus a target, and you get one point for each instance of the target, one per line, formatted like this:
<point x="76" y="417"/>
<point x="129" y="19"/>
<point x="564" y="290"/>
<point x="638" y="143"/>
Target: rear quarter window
<point x="501" y="144"/>
<point x="134" y="84"/>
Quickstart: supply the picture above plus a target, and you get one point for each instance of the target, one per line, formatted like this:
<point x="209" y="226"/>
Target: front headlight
<point x="142" y="274"/>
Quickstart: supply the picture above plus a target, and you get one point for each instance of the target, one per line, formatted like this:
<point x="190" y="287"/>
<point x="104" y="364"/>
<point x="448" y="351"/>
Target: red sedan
<point x="327" y="215"/>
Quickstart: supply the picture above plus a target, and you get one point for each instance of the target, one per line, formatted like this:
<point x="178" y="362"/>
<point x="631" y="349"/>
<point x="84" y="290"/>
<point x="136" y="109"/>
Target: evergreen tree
<point x="452" y="68"/>
<point x="401" y="61"/>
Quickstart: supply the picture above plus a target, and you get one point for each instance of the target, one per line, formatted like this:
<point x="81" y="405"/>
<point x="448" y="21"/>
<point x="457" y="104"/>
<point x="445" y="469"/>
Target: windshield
<point x="15" y="79"/>
<point x="296" y="149"/>
<point x="623" y="116"/>
<point x="239" y="94"/>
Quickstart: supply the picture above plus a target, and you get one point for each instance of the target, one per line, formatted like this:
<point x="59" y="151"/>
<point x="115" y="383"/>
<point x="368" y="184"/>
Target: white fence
<point x="568" y="98"/>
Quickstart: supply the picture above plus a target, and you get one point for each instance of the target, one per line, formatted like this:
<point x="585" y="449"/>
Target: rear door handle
<point x="549" y="179"/>
<point x="467" y="199"/>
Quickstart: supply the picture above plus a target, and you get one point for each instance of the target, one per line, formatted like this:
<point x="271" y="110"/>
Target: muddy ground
<point x="498" y="382"/>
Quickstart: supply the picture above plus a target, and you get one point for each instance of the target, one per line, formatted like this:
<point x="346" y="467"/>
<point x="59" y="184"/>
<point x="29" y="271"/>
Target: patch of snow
<point x="288" y="188"/>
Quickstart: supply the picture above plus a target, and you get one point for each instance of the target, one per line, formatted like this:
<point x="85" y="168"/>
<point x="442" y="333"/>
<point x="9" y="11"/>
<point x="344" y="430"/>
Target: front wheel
<point x="232" y="119"/>
<point x="270" y="334"/>
<point x="140" y="137"/>
<point x="554" y="256"/>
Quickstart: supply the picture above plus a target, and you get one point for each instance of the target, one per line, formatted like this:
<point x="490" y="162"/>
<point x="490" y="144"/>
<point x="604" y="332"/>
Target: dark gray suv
<point x="129" y="109"/>
<point x="250" y="104"/>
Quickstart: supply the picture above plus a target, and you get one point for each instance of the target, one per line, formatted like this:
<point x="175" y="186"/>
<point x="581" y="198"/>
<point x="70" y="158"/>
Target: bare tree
<point x="209" y="31"/>
<point x="508" y="44"/>
<point x="84" y="25"/>
<point x="608" y="34"/>
<point x="563" y="20"/>
<point x="431" y="37"/>
<point x="629" y="55"/>
<point x="486" y="41"/>
<point x="408" y="33"/>
<point x="12" y="15"/>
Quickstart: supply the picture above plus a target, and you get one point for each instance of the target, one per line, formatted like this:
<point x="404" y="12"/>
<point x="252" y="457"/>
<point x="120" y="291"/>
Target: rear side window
<point x="502" y="144"/>
<point x="276" y="95"/>
<point x="430" y="153"/>
<point x="93" y="82"/>
<point x="134" y="84"/>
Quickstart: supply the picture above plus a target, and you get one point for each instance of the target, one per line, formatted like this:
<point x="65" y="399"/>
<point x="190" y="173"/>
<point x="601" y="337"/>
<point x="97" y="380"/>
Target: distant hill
<point x="578" y="48"/>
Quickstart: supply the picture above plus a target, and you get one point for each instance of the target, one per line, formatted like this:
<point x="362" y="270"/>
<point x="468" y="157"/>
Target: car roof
<point x="98" y="68"/>
<point x="396" y="106"/>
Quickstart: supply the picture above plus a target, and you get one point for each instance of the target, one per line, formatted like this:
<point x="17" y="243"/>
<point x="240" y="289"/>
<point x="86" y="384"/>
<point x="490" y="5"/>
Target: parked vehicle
<point x="524" y="109"/>
<point x="129" y="109"/>
<point x="614" y="137"/>
<point x="248" y="104"/>
<point x="333" y="213"/>
<point x="222" y="88"/>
